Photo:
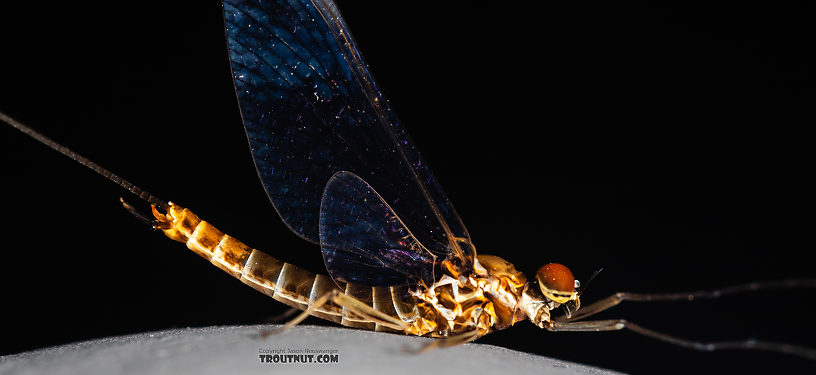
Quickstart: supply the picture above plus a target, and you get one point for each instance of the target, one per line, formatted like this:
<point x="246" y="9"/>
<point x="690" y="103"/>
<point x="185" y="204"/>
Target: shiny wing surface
<point x="311" y="109"/>
<point x="364" y="241"/>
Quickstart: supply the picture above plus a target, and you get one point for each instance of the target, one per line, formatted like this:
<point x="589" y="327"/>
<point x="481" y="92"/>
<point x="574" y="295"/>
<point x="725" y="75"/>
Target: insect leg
<point x="282" y="317"/>
<point x="593" y="309"/>
<point x="303" y="315"/>
<point x="341" y="299"/>
<point x="617" y="298"/>
<point x="453" y="340"/>
<point x="620" y="324"/>
<point x="368" y="312"/>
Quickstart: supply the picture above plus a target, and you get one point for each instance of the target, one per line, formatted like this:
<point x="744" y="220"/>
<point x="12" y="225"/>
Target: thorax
<point x="489" y="298"/>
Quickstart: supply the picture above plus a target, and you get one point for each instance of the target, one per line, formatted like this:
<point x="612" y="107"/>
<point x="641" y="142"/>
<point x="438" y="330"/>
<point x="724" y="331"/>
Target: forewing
<point x="311" y="109"/>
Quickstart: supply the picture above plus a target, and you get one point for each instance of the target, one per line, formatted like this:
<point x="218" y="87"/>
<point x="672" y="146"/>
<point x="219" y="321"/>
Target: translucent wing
<point x="311" y="109"/>
<point x="364" y="241"/>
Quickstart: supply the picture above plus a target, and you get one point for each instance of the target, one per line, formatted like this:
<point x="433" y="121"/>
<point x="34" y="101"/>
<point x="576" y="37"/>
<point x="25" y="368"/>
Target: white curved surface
<point x="236" y="350"/>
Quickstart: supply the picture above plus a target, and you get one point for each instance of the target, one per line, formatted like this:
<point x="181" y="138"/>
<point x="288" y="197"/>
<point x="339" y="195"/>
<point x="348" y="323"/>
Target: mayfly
<point x="342" y="173"/>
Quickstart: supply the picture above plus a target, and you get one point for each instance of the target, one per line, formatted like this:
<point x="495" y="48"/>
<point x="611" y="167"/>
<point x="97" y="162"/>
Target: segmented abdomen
<point x="282" y="281"/>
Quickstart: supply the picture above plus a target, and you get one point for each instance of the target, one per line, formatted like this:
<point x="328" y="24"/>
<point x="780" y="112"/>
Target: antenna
<point x="135" y="190"/>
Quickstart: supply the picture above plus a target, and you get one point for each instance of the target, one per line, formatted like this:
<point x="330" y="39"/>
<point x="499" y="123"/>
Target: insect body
<point x="494" y="296"/>
<point x="343" y="174"/>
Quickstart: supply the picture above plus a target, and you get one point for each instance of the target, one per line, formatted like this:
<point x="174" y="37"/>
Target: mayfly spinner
<point x="342" y="173"/>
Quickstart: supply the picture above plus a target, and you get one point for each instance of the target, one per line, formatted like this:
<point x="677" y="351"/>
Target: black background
<point x="668" y="145"/>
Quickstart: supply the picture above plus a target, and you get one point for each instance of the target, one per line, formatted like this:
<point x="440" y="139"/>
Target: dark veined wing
<point x="363" y="239"/>
<point x="311" y="109"/>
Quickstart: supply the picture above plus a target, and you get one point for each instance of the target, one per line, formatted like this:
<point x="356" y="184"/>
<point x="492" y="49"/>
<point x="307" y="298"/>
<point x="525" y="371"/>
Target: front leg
<point x="617" y="298"/>
<point x="620" y="324"/>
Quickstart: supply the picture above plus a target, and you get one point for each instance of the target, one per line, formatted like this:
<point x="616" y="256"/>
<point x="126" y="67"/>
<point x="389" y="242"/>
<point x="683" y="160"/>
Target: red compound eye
<point x="556" y="277"/>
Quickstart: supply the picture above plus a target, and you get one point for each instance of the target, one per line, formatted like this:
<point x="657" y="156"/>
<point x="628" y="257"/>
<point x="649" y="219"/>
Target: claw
<point x="132" y="210"/>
